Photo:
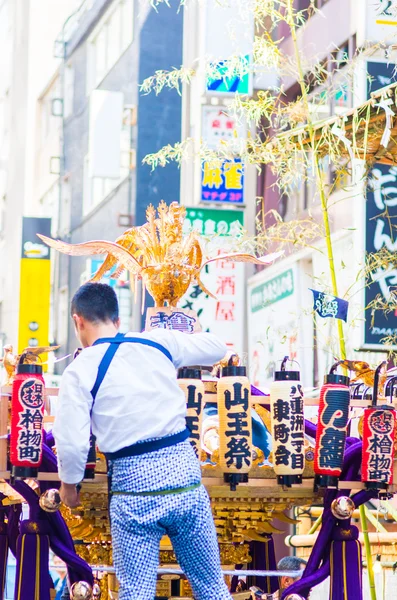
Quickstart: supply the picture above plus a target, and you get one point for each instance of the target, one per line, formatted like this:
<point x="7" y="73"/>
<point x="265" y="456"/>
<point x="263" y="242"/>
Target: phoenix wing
<point x="123" y="256"/>
<point x="245" y="258"/>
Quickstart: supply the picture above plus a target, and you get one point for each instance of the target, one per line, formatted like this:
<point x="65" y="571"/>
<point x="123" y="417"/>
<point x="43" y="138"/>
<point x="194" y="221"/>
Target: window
<point x="63" y="316"/>
<point x="109" y="41"/>
<point x="97" y="189"/>
<point x="68" y="91"/>
<point x="49" y="203"/>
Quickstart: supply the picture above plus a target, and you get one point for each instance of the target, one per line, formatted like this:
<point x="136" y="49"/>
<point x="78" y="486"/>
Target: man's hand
<point x="70" y="495"/>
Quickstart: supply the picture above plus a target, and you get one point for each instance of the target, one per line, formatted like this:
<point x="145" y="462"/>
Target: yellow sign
<point x="35" y="286"/>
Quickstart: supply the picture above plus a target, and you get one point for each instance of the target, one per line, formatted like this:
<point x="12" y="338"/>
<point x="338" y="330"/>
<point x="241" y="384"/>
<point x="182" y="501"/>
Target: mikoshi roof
<point x="367" y="132"/>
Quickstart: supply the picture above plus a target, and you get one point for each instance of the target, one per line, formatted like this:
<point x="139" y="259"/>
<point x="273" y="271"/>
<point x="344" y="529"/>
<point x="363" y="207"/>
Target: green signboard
<point x="212" y="221"/>
<point x="272" y="291"/>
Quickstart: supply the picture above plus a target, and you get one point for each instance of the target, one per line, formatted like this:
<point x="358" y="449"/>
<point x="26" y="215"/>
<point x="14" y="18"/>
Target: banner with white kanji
<point x="223" y="316"/>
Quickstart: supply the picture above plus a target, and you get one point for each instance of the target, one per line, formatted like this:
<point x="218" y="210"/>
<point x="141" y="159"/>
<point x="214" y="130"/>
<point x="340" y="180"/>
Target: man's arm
<point x="72" y="432"/>
<point x="203" y="349"/>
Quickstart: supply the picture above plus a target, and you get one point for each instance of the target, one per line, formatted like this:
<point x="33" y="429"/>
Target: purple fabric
<point x="346" y="573"/>
<point x="256" y="392"/>
<point x="14" y="517"/>
<point x="3" y="553"/>
<point x="264" y="559"/>
<point x="60" y="539"/>
<point x="32" y="579"/>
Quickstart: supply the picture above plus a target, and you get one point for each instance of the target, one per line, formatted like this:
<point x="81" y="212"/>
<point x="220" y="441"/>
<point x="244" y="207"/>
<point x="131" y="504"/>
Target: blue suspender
<point x="145" y="446"/>
<point x="111" y="351"/>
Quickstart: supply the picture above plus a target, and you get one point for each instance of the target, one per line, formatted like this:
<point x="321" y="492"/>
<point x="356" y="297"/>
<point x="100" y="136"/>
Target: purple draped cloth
<point x="3" y="550"/>
<point x="346" y="564"/>
<point x="264" y="559"/>
<point x="32" y="580"/>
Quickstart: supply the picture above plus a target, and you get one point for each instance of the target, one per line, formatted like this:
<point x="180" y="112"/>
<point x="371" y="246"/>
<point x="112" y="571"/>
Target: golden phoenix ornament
<point x="159" y="253"/>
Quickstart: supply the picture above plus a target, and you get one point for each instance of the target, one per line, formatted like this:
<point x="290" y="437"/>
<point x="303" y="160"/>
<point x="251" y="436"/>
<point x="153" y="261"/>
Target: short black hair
<point x="291" y="563"/>
<point x="96" y="302"/>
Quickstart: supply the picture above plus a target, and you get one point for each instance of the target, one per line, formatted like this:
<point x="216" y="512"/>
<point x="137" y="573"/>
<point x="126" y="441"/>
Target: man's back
<point x="139" y="398"/>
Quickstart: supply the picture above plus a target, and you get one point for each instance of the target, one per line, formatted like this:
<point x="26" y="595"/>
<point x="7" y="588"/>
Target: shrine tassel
<point x="379" y="424"/>
<point x="333" y="415"/>
<point x="3" y="553"/>
<point x="32" y="581"/>
<point x="235" y="425"/>
<point x="27" y="414"/>
<point x="345" y="564"/>
<point x="189" y="381"/>
<point x="287" y="420"/>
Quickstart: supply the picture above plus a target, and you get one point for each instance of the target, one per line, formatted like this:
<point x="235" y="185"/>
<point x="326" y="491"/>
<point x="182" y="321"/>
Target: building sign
<point x="380" y="222"/>
<point x="222" y="83"/>
<point x="224" y="315"/>
<point x="273" y="324"/>
<point x="35" y="290"/>
<point x="381" y="19"/>
<point x="218" y="127"/>
<point x="223" y="182"/>
<point x="272" y="291"/>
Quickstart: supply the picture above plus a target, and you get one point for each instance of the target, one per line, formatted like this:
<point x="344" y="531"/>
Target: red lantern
<point x="333" y="415"/>
<point x="27" y="415"/>
<point x="379" y="424"/>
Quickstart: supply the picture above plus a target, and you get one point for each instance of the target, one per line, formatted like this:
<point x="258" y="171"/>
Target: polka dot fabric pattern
<point x="139" y="522"/>
<point x="165" y="469"/>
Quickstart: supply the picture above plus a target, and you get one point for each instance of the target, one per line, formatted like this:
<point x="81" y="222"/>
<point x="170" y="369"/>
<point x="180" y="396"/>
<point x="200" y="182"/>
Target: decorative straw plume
<point x="29" y="356"/>
<point x="158" y="253"/>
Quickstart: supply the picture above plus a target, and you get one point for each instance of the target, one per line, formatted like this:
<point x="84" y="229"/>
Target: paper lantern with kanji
<point x="189" y="381"/>
<point x="379" y="425"/>
<point x="235" y="424"/>
<point x="287" y="419"/>
<point x="333" y="415"/>
<point x="27" y="415"/>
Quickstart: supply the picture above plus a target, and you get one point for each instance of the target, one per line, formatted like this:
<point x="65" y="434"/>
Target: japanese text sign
<point x="223" y="182"/>
<point x="27" y="415"/>
<point x="286" y="401"/>
<point x="378" y="445"/>
<point x="235" y="425"/>
<point x="223" y="315"/>
<point x="194" y="393"/>
<point x="218" y="127"/>
<point x="331" y="429"/>
<point x="380" y="222"/>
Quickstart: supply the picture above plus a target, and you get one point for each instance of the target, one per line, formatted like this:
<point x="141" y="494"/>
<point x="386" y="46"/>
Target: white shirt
<point x="139" y="398"/>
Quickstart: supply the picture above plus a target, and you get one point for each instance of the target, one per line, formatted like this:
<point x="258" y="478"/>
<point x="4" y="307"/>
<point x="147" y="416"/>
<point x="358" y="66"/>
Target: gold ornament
<point x="293" y="597"/>
<point x="363" y="373"/>
<point x="159" y="253"/>
<point x="96" y="592"/>
<point x="343" y="507"/>
<point x="29" y="356"/>
<point x="50" y="501"/>
<point x="81" y="591"/>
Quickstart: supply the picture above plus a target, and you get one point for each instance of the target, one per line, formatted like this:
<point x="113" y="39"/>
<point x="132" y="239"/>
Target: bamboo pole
<point x="319" y="179"/>
<point x="315" y="525"/>
<point x="330" y="253"/>
<point x="368" y="554"/>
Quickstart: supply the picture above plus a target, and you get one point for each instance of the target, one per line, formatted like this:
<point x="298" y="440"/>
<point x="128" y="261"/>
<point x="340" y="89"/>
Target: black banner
<point x="380" y="225"/>
<point x="32" y="246"/>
